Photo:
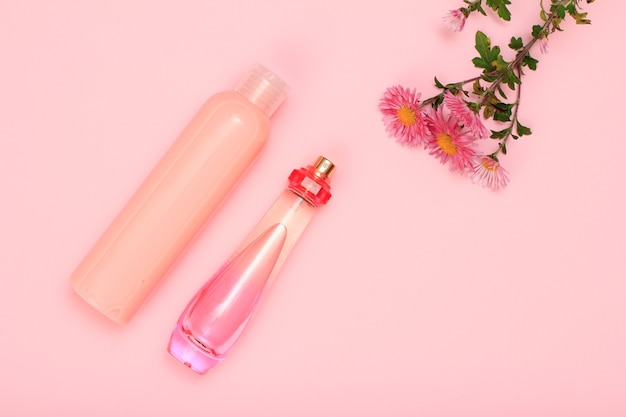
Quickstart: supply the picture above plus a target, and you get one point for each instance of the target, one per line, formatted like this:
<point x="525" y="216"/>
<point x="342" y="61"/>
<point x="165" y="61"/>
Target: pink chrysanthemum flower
<point x="455" y="20"/>
<point x="465" y="115"/>
<point x="543" y="45"/>
<point x="489" y="173"/>
<point x="449" y="142"/>
<point x="402" y="116"/>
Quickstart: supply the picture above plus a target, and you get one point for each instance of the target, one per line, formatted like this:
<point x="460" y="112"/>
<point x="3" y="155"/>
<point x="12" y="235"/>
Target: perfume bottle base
<point x="190" y="352"/>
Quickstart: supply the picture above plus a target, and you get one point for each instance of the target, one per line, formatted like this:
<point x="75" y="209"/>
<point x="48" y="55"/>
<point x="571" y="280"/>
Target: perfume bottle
<point x="218" y="313"/>
<point x="179" y="196"/>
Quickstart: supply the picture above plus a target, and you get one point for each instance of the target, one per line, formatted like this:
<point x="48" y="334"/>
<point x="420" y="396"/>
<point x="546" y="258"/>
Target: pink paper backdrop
<point x="413" y="293"/>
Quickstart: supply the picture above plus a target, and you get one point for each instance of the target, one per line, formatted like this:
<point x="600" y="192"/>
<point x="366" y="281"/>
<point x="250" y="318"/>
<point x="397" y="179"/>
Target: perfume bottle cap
<point x="263" y="88"/>
<point x="323" y="167"/>
<point x="312" y="182"/>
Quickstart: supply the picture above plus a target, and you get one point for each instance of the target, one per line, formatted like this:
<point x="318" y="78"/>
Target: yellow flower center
<point x="407" y="115"/>
<point x="490" y="164"/>
<point x="445" y="143"/>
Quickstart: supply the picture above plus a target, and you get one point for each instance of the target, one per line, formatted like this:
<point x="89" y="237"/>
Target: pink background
<point x="413" y="293"/>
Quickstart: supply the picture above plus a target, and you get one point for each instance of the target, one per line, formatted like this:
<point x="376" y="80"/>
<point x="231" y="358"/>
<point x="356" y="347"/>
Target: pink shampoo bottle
<point x="219" y="312"/>
<point x="179" y="196"/>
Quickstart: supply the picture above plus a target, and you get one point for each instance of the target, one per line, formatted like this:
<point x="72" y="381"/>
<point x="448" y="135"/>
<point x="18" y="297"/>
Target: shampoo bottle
<point x="218" y="313"/>
<point x="177" y="198"/>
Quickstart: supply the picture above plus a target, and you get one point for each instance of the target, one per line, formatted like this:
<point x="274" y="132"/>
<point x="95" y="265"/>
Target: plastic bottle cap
<point x="263" y="88"/>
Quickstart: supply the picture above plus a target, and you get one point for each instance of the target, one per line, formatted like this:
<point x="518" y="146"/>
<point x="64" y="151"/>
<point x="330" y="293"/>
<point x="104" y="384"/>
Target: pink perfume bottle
<point x="179" y="196"/>
<point x="220" y="310"/>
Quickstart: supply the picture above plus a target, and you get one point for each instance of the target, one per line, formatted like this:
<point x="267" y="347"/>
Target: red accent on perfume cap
<point x="311" y="183"/>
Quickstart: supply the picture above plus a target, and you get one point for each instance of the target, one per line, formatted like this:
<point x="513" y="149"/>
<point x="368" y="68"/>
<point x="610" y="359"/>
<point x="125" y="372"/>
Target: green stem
<point x="550" y="25"/>
<point x="447" y="87"/>
<point x="472" y="7"/>
<point x="509" y="133"/>
<point x="516" y="64"/>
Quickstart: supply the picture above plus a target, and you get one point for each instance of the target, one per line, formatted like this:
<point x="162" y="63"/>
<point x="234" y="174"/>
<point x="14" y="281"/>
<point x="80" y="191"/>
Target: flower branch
<point x="450" y="123"/>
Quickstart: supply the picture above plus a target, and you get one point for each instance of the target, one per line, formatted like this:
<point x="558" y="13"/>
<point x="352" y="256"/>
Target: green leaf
<point x="504" y="12"/>
<point x="480" y="63"/>
<point x="560" y="11"/>
<point x="530" y="62"/>
<point x="489" y="57"/>
<point x="571" y="9"/>
<point x="580" y="19"/>
<point x="477" y="88"/>
<point x="438" y="84"/>
<point x="488" y="111"/>
<point x="488" y="78"/>
<point x="516" y="43"/>
<point x="554" y="6"/>
<point x="500" y="64"/>
<point x="437" y="101"/>
<point x="483" y="46"/>
<point x="501" y="92"/>
<point x="494" y="53"/>
<point x="536" y="31"/>
<point x="523" y="130"/>
<point x="542" y="15"/>
<point x="499" y="134"/>
<point x="502" y="116"/>
<point x="502" y="112"/>
<point x="512" y="79"/>
<point x="490" y="98"/>
<point x="503" y="147"/>
<point x="499" y="6"/>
